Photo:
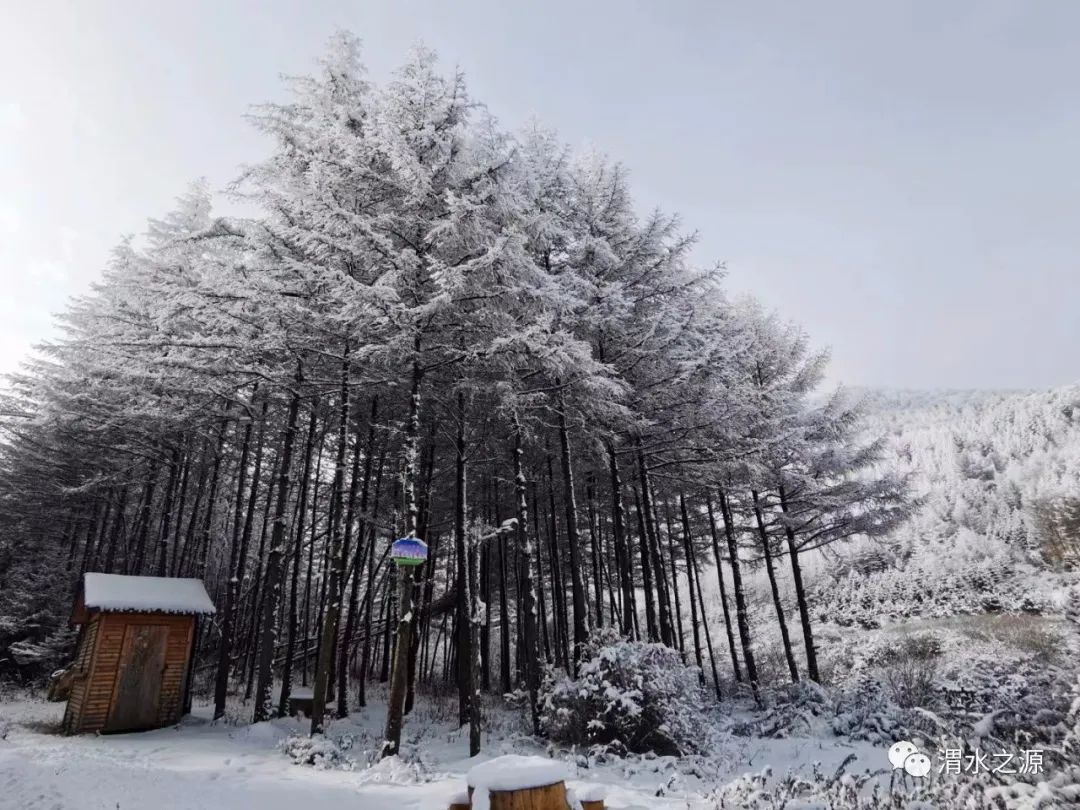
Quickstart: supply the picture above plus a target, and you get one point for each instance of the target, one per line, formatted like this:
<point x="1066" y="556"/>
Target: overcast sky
<point x="901" y="178"/>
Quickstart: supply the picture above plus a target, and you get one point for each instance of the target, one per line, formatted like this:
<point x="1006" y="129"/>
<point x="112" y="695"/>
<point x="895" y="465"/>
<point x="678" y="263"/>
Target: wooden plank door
<point x="137" y="693"/>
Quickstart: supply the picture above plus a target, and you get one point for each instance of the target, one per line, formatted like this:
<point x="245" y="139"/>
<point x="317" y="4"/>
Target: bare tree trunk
<point x="335" y="586"/>
<point x="369" y="593"/>
<point x="525" y="551"/>
<point x="558" y="585"/>
<point x="692" y="566"/>
<point x="766" y="548"/>
<point x="403" y="642"/>
<point x="464" y="639"/>
<point x="674" y="578"/>
<point x="688" y="551"/>
<point x="622" y="550"/>
<point x="142" y="529"/>
<point x="742" y="618"/>
<point x="167" y="511"/>
<point x="800" y="594"/>
<point x="596" y="552"/>
<point x="208" y="516"/>
<point x="263" y="701"/>
<point x="723" y="590"/>
<point x="651" y="625"/>
<point x="118" y="528"/>
<point x="667" y="631"/>
<point x="311" y="551"/>
<point x="544" y="635"/>
<point x="180" y="504"/>
<point x="504" y="609"/>
<point x="356" y="567"/>
<point x="292" y="619"/>
<point x="232" y="585"/>
<point x="256" y="598"/>
<point x="573" y="536"/>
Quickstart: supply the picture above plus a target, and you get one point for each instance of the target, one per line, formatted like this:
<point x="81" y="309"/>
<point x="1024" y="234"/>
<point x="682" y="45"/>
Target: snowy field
<point x="199" y="765"/>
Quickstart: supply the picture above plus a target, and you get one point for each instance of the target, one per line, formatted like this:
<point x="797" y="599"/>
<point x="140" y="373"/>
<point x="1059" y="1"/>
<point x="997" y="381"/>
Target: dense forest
<point x="431" y="327"/>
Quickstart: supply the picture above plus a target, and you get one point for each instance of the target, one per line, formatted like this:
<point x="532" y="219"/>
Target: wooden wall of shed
<point x="95" y="702"/>
<point x="83" y="661"/>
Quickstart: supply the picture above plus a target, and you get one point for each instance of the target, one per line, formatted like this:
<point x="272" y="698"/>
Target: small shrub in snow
<point x="394" y="770"/>
<point x="911" y="670"/>
<point x="318" y="751"/>
<point x="844" y="791"/>
<point x="630" y="695"/>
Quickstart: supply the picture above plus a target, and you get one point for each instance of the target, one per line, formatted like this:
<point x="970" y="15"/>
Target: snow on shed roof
<point x="116" y="592"/>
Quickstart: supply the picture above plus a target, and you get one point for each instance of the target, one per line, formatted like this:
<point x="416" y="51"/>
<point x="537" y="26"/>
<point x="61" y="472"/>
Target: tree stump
<point x="597" y="804"/>
<point x="545" y="797"/>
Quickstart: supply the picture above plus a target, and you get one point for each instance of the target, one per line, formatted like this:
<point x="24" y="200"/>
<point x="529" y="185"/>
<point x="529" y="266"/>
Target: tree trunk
<point x="800" y="594"/>
<point x="741" y="616"/>
<point x="180" y="505"/>
<point x="461" y="572"/>
<point x="474" y="634"/>
<point x="674" y="579"/>
<point x="167" y="511"/>
<point x="504" y="609"/>
<point x="117" y="529"/>
<point x="651" y="625"/>
<point x="403" y="642"/>
<point x="766" y="547"/>
<point x="211" y="498"/>
<point x="356" y="568"/>
<point x="336" y="584"/>
<point x="688" y="552"/>
<point x="544" y="636"/>
<point x="692" y="566"/>
<point x="392" y="742"/>
<point x="232" y="585"/>
<point x="263" y="705"/>
<point x="311" y="552"/>
<point x="256" y="598"/>
<point x="596" y="552"/>
<point x="143" y="528"/>
<point x="292" y="625"/>
<point x="558" y="584"/>
<point x="525" y="552"/>
<point x="369" y="593"/>
<point x="573" y="536"/>
<point x="723" y="590"/>
<point x="622" y="551"/>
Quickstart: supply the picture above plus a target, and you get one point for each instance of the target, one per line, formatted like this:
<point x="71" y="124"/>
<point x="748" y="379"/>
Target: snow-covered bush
<point x="319" y="751"/>
<point x="911" y="669"/>
<point x="628" y="695"/>
<point x="845" y="791"/>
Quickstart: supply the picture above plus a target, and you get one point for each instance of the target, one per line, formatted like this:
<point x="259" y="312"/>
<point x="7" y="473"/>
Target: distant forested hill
<point x="998" y="528"/>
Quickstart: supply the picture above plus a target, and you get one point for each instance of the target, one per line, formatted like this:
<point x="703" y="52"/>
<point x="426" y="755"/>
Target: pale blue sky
<point x="902" y="178"/>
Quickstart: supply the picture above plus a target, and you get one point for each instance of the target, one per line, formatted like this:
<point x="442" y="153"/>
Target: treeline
<point x="434" y="328"/>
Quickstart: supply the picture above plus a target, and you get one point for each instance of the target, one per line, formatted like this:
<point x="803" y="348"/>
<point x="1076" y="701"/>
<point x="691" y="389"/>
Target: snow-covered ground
<point x="205" y="766"/>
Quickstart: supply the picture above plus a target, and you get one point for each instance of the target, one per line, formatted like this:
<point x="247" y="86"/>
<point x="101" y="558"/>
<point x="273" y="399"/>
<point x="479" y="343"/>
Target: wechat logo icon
<point x="905" y="755"/>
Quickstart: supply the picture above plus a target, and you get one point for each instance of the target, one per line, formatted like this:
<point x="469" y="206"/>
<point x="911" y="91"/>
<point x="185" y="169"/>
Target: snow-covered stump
<point x="587" y="797"/>
<point x="518" y="783"/>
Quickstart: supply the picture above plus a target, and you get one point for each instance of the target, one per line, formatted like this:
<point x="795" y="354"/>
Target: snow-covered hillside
<point x="997" y="475"/>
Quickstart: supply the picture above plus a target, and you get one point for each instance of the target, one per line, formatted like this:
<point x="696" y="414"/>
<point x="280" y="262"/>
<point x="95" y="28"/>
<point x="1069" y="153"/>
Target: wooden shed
<point x="134" y="651"/>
